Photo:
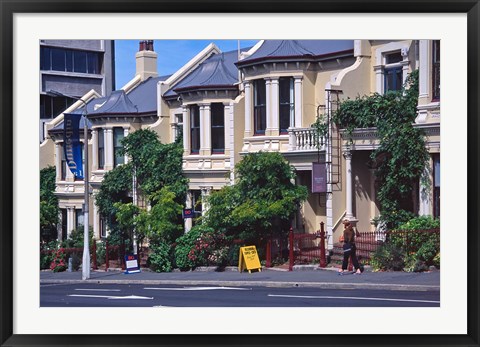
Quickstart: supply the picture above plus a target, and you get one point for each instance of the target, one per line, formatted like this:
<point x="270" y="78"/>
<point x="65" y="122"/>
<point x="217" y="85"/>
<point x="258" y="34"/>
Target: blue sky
<point x="172" y="55"/>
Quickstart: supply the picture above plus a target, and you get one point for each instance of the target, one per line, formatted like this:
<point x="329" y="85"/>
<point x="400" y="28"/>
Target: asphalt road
<point x="143" y="295"/>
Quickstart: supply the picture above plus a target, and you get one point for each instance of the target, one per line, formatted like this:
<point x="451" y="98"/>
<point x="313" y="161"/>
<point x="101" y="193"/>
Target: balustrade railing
<point x="304" y="139"/>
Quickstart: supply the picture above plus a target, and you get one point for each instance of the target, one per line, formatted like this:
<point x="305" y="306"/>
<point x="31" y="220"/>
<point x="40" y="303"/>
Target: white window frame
<point x="380" y="62"/>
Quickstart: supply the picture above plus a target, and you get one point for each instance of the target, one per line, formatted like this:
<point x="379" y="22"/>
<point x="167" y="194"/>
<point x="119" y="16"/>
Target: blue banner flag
<point x="71" y="144"/>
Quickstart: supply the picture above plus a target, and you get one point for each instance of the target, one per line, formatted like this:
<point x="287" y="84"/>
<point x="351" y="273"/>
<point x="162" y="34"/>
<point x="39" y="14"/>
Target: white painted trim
<point x="192" y="63"/>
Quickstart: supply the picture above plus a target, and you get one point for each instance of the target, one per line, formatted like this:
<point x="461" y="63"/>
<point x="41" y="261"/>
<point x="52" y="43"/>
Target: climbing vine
<point x="401" y="157"/>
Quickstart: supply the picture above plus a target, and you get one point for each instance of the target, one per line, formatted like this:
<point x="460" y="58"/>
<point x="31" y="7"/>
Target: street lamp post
<point x="86" y="246"/>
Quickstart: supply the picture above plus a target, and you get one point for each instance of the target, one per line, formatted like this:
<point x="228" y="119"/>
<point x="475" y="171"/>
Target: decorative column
<point x="125" y="134"/>
<point x="96" y="223"/>
<point x="423" y="81"/>
<point x="274" y="107"/>
<point x="349" y="185"/>
<point x="298" y="101"/>
<point x="58" y="162"/>
<point x="188" y="204"/>
<point x="70" y="219"/>
<point x="59" y="225"/>
<point x="206" y="129"/>
<point x="379" y="78"/>
<point x="205" y="194"/>
<point x="230" y="124"/>
<point x="423" y="71"/>
<point x="94" y="149"/>
<point x="373" y="207"/>
<point x="186" y="128"/>
<point x="248" y="108"/>
<point x="108" y="148"/>
<point x="405" y="64"/>
<point x="227" y="126"/>
<point x="268" y="108"/>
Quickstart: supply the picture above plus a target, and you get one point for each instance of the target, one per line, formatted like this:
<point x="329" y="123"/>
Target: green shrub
<point x="421" y="223"/>
<point x="201" y="246"/>
<point x="160" y="258"/>
<point x="417" y="247"/>
<point x="388" y="257"/>
<point x="233" y="255"/>
<point x="75" y="239"/>
<point x="185" y="256"/>
<point x="46" y="258"/>
<point x="47" y="254"/>
<point x="101" y="251"/>
<point x="58" y="263"/>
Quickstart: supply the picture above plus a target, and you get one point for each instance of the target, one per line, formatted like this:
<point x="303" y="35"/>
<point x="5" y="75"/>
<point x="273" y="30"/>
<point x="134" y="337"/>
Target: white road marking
<point x="349" y="298"/>
<point x="100" y="290"/>
<point x="200" y="288"/>
<point x="113" y="297"/>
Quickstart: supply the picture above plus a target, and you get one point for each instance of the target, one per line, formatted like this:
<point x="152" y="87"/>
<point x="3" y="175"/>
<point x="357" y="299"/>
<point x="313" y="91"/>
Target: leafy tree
<point x="155" y="165"/>
<point x="401" y="157"/>
<point x="48" y="205"/>
<point x="115" y="188"/>
<point x="262" y="201"/>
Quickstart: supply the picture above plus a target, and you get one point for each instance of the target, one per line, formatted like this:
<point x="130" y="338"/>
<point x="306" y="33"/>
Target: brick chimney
<point x="146" y="60"/>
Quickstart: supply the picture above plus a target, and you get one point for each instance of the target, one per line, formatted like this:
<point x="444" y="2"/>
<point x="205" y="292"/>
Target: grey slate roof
<point x="290" y="49"/>
<point x="216" y="72"/>
<point x="117" y="103"/>
<point x="141" y="100"/>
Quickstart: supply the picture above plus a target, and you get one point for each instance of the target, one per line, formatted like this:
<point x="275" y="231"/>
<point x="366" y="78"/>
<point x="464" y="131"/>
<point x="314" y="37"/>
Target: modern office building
<point x="73" y="67"/>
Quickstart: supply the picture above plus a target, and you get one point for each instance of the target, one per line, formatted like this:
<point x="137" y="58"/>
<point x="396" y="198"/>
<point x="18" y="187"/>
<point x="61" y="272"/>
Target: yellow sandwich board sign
<point x="248" y="259"/>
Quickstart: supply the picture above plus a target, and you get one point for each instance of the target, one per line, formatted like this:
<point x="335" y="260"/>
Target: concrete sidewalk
<point x="302" y="276"/>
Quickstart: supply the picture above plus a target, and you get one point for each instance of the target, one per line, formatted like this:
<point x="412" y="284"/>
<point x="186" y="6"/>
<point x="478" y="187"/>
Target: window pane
<point x="285" y="111"/>
<point x="218" y="140"/>
<point x="260" y="119"/>
<point x="260" y="92"/>
<point x="286" y="91"/>
<point x="218" y="114"/>
<point x="59" y="105"/>
<point x="92" y="60"/>
<point x="118" y="135"/>
<point x="69" y="60"/>
<point x="101" y="152"/>
<point x="218" y="128"/>
<point x="436" y="69"/>
<point x="58" y="59"/>
<point x="80" y="61"/>
<point x="195" y="128"/>
<point x="393" y="58"/>
<point x="284" y="86"/>
<point x="45" y="58"/>
<point x="393" y="79"/>
<point x="63" y="165"/>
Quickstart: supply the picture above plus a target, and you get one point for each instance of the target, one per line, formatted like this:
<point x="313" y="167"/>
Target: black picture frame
<point x="7" y="176"/>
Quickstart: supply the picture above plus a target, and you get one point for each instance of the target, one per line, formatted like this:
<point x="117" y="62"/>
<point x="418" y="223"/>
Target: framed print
<point x="26" y="320"/>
